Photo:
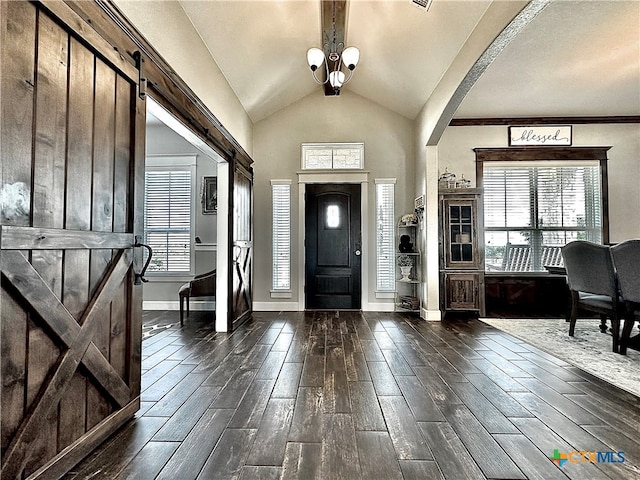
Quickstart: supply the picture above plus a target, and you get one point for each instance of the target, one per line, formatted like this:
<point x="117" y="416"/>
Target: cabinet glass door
<point x="461" y="233"/>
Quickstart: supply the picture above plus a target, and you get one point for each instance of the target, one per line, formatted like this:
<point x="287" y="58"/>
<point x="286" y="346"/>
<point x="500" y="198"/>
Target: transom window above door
<point x="332" y="156"/>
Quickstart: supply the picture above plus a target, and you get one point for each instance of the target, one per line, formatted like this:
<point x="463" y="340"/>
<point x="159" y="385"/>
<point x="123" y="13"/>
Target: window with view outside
<point x="168" y="219"/>
<point x="532" y="210"/>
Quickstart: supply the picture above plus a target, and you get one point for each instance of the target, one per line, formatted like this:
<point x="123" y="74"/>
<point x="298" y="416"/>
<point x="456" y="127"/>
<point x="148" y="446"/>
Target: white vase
<point x="405" y="271"/>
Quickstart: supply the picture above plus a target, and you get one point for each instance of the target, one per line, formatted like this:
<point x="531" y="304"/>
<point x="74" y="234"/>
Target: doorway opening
<point x="169" y="143"/>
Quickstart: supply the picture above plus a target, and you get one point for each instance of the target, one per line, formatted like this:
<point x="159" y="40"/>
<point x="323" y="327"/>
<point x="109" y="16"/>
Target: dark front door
<point x="332" y="243"/>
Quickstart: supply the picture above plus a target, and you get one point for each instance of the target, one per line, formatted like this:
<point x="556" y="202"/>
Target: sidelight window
<point x="385" y="235"/>
<point x="281" y="240"/>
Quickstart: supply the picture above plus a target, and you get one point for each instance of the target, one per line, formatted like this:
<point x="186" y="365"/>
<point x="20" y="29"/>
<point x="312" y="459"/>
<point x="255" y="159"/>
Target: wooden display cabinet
<point x="461" y="251"/>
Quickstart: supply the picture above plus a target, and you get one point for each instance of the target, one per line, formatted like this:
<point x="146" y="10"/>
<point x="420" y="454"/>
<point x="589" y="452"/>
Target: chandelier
<point x="334" y="56"/>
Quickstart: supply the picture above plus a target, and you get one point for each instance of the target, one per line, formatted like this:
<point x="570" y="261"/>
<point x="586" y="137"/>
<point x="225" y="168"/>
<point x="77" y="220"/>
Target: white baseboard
<point x="295" y="307"/>
<point x="194" y="305"/>
<point x="379" y="307"/>
<point x="431" y="315"/>
<point x="276" y="306"/>
<point x="206" y="305"/>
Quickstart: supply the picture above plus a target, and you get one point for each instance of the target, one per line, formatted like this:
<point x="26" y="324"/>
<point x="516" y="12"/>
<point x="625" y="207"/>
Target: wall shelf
<point x="408" y="291"/>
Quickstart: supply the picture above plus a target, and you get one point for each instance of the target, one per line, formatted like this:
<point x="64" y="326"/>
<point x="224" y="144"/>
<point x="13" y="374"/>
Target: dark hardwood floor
<point x="375" y="396"/>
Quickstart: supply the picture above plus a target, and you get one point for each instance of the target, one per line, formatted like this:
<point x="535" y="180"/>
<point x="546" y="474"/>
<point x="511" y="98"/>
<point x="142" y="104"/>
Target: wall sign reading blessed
<point x="540" y="135"/>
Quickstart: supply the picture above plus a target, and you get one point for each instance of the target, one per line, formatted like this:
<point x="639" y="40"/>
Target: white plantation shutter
<point x="168" y="218"/>
<point x="507" y="199"/>
<point x="539" y="206"/>
<point x="281" y="199"/>
<point x="385" y="235"/>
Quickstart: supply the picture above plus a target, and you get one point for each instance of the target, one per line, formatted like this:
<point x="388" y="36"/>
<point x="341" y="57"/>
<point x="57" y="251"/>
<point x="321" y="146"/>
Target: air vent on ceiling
<point x="422" y="4"/>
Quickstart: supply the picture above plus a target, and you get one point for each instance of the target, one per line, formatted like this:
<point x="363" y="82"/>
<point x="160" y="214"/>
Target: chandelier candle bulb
<point x="336" y="79"/>
<point x="350" y="57"/>
<point x="315" y="58"/>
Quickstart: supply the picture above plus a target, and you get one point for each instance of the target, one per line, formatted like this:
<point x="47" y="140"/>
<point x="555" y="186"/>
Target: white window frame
<point x="281" y="238"/>
<point x="385" y="235"/>
<point x="176" y="163"/>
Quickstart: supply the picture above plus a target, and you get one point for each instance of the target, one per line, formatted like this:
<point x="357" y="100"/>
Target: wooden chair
<point x="626" y="259"/>
<point x="592" y="281"/>
<point x="551" y="256"/>
<point x="203" y="285"/>
<point x="517" y="258"/>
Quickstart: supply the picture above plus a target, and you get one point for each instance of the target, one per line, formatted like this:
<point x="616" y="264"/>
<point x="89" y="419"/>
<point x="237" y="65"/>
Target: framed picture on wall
<point x="209" y="195"/>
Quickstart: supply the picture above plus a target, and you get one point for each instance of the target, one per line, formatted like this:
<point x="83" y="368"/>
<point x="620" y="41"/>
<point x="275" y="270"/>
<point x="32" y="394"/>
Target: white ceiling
<point x="576" y="58"/>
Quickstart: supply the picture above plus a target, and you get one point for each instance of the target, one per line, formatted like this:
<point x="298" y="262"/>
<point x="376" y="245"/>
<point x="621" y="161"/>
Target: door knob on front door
<point x="357" y="252"/>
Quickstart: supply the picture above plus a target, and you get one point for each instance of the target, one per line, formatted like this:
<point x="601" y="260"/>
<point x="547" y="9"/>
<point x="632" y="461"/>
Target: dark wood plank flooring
<point x="347" y="395"/>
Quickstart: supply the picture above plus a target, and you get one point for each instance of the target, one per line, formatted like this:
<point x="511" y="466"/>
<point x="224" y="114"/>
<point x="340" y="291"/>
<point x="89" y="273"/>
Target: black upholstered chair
<point x="203" y="285"/>
<point x="592" y="281"/>
<point x="626" y="258"/>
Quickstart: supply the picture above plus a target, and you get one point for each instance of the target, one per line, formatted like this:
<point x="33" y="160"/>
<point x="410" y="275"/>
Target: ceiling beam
<point x="334" y="22"/>
<point x="465" y="122"/>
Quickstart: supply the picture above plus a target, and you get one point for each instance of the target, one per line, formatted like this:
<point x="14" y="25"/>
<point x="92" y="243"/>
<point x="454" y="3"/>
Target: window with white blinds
<point x="531" y="210"/>
<point x="168" y="219"/>
<point x="281" y="240"/>
<point x="385" y="235"/>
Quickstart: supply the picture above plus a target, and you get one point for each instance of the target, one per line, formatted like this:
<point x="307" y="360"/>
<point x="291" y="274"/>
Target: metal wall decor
<point x="539" y="135"/>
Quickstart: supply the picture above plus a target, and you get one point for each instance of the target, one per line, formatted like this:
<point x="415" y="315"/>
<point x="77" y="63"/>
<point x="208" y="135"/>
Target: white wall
<point x="166" y="26"/>
<point x="455" y="151"/>
<point x="432" y="122"/>
<point x="389" y="146"/>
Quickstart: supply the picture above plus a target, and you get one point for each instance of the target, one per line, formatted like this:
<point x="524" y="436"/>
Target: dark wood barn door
<point x="332" y="246"/>
<point x="241" y="264"/>
<point x="72" y="129"/>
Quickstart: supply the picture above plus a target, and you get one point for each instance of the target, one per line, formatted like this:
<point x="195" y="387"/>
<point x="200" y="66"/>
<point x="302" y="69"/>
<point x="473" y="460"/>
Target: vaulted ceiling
<point x="576" y="58"/>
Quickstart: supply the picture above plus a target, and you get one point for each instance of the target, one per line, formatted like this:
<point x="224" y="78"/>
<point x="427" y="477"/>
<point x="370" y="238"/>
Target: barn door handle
<point x="236" y="256"/>
<point x="139" y="277"/>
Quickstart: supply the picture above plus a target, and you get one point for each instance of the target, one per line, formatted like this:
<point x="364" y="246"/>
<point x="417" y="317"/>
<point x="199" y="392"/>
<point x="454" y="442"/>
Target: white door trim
<point x="335" y="176"/>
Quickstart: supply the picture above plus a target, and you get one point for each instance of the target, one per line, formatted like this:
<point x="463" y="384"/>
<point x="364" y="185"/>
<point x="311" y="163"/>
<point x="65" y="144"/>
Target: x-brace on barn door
<point x="72" y="128"/>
